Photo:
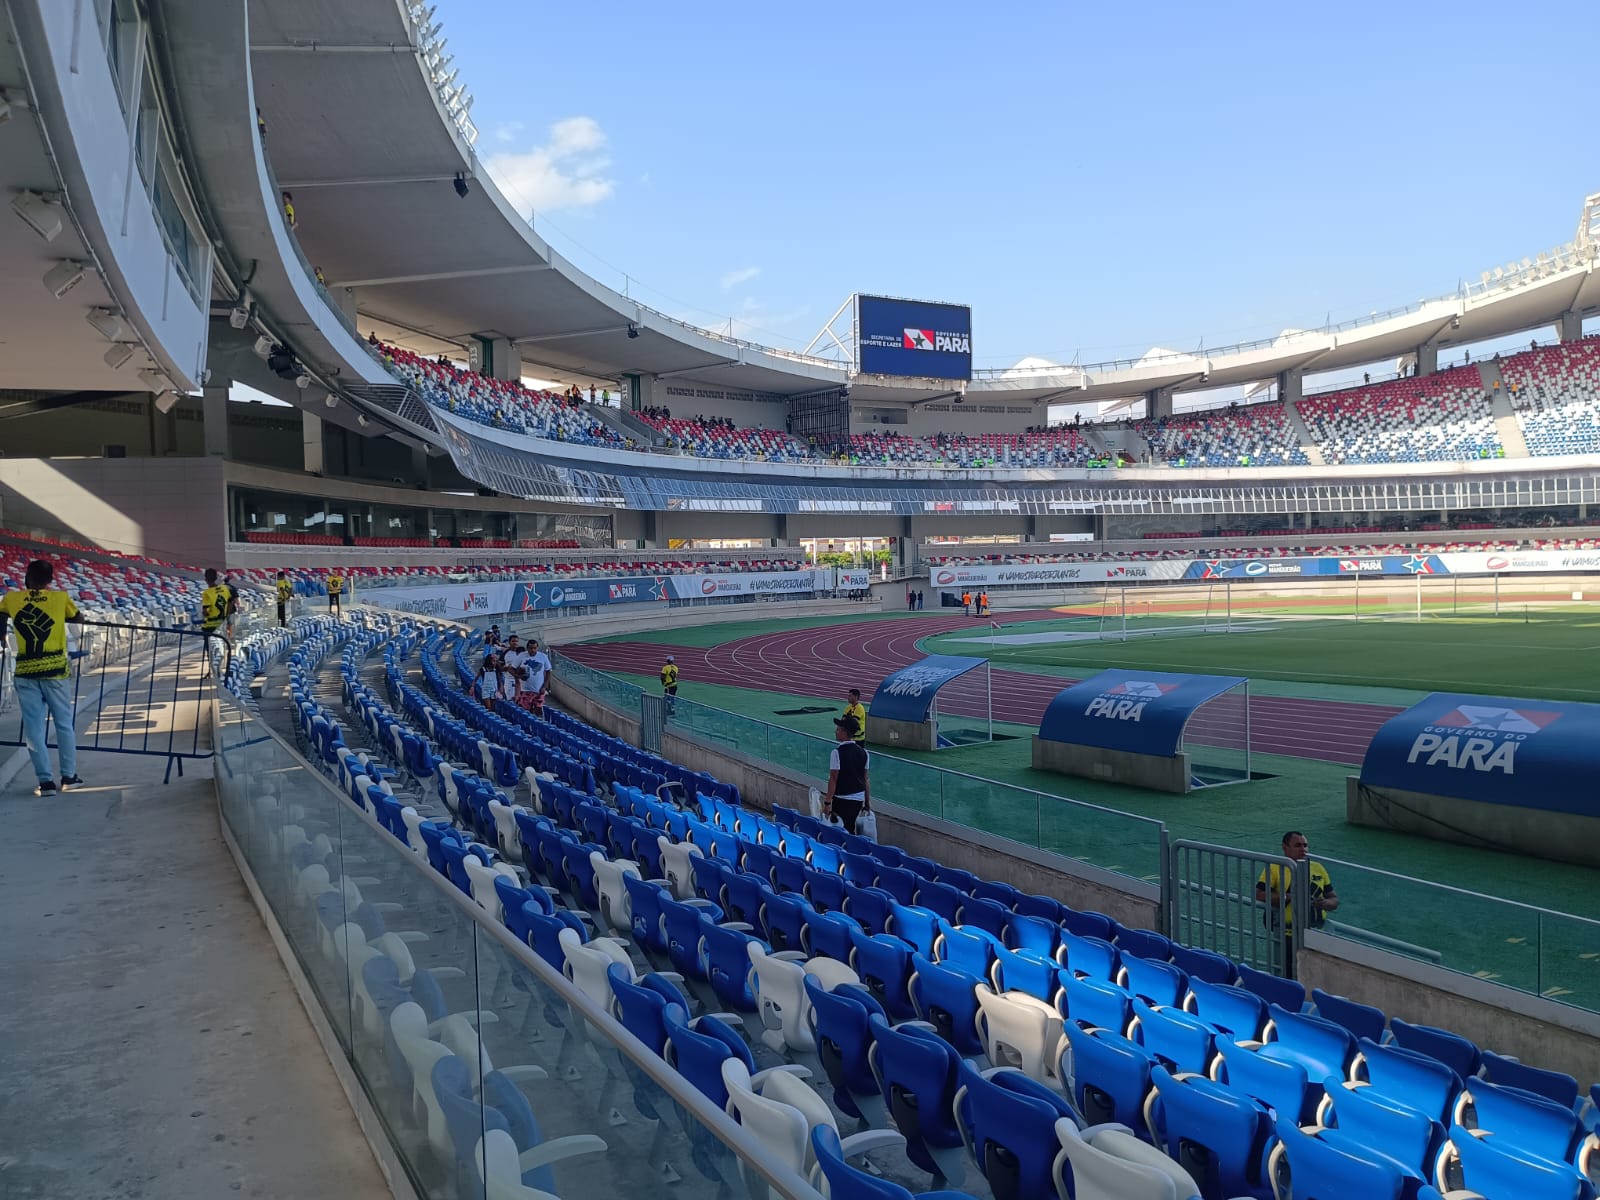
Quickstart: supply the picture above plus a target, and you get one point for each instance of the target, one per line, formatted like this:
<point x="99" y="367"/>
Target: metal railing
<point x="143" y="688"/>
<point x="570" y="1057"/>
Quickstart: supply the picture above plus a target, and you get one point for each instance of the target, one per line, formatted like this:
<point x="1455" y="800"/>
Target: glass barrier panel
<point x="1106" y="838"/>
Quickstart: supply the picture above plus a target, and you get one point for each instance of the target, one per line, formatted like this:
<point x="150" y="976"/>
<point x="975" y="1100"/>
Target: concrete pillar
<point x="1290" y="389"/>
<point x="652" y="527"/>
<point x="495" y="356"/>
<point x="311" y="444"/>
<point x="214" y="409"/>
<point x="419" y="466"/>
<point x="344" y="299"/>
<point x="1569" y="328"/>
<point x="782" y="538"/>
<point x="1427" y="358"/>
<point x="1158" y="403"/>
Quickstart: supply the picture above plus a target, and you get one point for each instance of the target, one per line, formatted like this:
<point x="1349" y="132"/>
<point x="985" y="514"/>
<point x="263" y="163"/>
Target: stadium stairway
<point x="1506" y="426"/>
<point x="1308" y="443"/>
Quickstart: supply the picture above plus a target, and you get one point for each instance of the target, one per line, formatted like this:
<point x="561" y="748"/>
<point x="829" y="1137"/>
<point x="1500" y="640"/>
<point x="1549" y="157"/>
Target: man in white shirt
<point x="514" y="658"/>
<point x="538" y="665"/>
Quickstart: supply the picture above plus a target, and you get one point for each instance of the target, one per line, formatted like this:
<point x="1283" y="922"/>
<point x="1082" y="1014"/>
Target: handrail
<point x="736" y="1138"/>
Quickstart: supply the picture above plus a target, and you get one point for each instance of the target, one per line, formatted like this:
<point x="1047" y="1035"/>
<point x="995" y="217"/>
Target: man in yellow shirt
<point x="285" y="594"/>
<point x="213" y="603"/>
<point x="857" y="712"/>
<point x="335" y="590"/>
<point x="39" y="616"/>
<point x="1272" y="888"/>
<point x="669" y="681"/>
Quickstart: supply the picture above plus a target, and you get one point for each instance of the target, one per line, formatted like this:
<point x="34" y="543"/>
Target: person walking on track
<point x="39" y="616"/>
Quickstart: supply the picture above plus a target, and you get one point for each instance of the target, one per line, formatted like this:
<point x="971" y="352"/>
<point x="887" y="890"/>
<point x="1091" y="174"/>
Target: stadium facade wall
<point x="169" y="508"/>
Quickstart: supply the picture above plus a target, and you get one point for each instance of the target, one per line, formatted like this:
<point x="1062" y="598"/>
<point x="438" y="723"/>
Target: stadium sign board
<point x="1141" y="712"/>
<point x="913" y="338"/>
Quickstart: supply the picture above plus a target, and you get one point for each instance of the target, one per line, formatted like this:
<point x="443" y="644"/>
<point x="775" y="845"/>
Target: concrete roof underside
<point x="357" y="133"/>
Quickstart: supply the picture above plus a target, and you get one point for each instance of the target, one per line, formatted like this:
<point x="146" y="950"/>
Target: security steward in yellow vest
<point x="335" y="590"/>
<point x="285" y="594"/>
<point x="669" y="681"/>
<point x="857" y="712"/>
<point x="39" y="616"/>
<point x="213" y="603"/>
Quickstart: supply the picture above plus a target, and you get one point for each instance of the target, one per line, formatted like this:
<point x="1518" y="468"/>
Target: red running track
<point x="825" y="660"/>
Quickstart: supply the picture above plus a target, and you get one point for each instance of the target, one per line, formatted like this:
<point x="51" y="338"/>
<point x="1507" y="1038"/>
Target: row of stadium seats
<point x="1364" y="550"/>
<point x="1443" y="417"/>
<point x="1061" y="1016"/>
<point x="1553" y="393"/>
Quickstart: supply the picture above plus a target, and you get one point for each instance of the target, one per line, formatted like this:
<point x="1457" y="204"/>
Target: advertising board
<point x="913" y="338"/>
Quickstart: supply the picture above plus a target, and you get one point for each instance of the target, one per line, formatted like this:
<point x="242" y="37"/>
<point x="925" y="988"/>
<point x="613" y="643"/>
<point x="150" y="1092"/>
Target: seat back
<point x="1111" y="1168"/>
<point x="1024" y="971"/>
<point x="884" y="965"/>
<point x="1492" y="1167"/>
<point x="1328" y="1169"/>
<point x="841" y="1180"/>
<point x="1409" y="1137"/>
<point x="1407" y="1077"/>
<point x="781" y="1128"/>
<point x="947" y="999"/>
<point x="1453" y="1050"/>
<point x="1362" y="1020"/>
<point x="1021" y="1031"/>
<point x="1281" y="1086"/>
<point x="1218" y="1136"/>
<point x="1010" y="1133"/>
<point x="1111" y="1077"/>
<point x="1094" y="1003"/>
<point x="1179" y="1040"/>
<point x="1094" y="957"/>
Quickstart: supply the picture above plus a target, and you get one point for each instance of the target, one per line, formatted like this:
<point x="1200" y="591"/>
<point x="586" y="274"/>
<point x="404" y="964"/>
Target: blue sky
<point x="1093" y="180"/>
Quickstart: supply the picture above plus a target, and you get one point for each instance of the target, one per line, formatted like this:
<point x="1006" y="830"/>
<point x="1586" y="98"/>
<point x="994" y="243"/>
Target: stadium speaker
<point x="302" y="381"/>
<point x="165" y="402"/>
<point x="263" y="347"/>
<point x="155" y="380"/>
<point x="63" y="277"/>
<point x="281" y="362"/>
<point x="461" y="185"/>
<point x="107" y="324"/>
<point x="42" y="214"/>
<point x="117" y="357"/>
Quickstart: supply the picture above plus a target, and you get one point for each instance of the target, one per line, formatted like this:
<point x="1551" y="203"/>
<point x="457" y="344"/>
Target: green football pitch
<point x="1545" y="653"/>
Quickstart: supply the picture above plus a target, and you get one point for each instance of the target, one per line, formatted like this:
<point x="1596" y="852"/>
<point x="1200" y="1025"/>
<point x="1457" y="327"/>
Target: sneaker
<point x="68" y="782"/>
<point x="47" y="787"/>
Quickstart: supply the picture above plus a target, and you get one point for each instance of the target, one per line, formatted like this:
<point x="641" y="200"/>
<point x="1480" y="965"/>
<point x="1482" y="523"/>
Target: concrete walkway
<point x="152" y="1043"/>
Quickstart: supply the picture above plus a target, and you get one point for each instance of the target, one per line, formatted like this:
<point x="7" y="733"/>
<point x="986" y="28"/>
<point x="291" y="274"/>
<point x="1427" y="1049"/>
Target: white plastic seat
<point x="506" y="836"/>
<point x="779" y="1109"/>
<point x="778" y="982"/>
<point x="502" y="1168"/>
<point x="481" y="877"/>
<point x="413" y="820"/>
<point x="486" y="757"/>
<point x="1109" y="1163"/>
<point x="675" y="858"/>
<point x="586" y="964"/>
<point x="615" y="909"/>
<point x="1022" y="1031"/>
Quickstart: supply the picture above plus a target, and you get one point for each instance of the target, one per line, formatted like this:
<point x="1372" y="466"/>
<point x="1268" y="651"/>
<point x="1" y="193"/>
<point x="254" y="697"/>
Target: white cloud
<point x="743" y="275"/>
<point x="508" y="132"/>
<point x="569" y="171"/>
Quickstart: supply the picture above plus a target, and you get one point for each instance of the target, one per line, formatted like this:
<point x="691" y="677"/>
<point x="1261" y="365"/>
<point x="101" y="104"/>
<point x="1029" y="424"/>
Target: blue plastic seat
<point x="1362" y="1020"/>
<point x="1111" y="1077"/>
<point x="1321" y="1047"/>
<point x="726" y="958"/>
<point x="987" y="915"/>
<point x="1180" y="1041"/>
<point x="963" y="881"/>
<point x="884" y="964"/>
<point x="760" y="859"/>
<point x="919" y="927"/>
<point x="641" y="1004"/>
<point x="698" y="1051"/>
<point x="1453" y="1050"/>
<point x="869" y="905"/>
<point x="839" y="1021"/>
<point x="1207" y="965"/>
<point x="947" y="999"/>
<point x="1159" y="983"/>
<point x="1288" y="994"/>
<point x="681" y="923"/>
<point x="1415" y="1080"/>
<point x="1087" y="924"/>
<point x="1008" y="1122"/>
<point x="1281" y="1086"/>
<point x="1046" y="908"/>
<point x="1223" y="1139"/>
<point x="828" y="934"/>
<point x="1093" y="1002"/>
<point x="1091" y="956"/>
<point x="1495" y="1168"/>
<point x="782" y="919"/>
<point x="644" y="902"/>
<point x="1410" y="1139"/>
<point x="1026" y="932"/>
<point x="742" y="896"/>
<point x="789" y="875"/>
<point x="1228" y="1009"/>
<point x="966" y="948"/>
<point x="918" y="1074"/>
<point x="710" y="878"/>
<point x="823" y="856"/>
<point x="844" y="1182"/>
<point x="1143" y="943"/>
<point x="825" y="890"/>
<point x="1552" y="1085"/>
<point x="1002" y="894"/>
<point x="941" y="898"/>
<point x="1531" y="1123"/>
<point x="1330" y="1167"/>
<point x="899" y="882"/>
<point x="1024" y="971"/>
<point x="861" y="870"/>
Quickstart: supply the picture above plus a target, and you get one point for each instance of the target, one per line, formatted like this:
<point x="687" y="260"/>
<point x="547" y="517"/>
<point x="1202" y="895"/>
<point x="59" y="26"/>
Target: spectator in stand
<point x="288" y="210"/>
<point x="539" y="670"/>
<point x="285" y="591"/>
<point x="261" y="125"/>
<point x="512" y="660"/>
<point x="233" y="603"/>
